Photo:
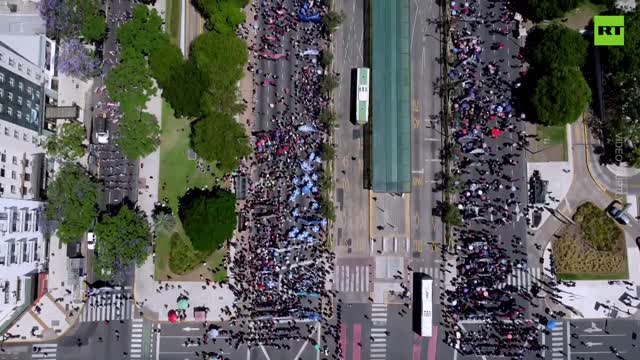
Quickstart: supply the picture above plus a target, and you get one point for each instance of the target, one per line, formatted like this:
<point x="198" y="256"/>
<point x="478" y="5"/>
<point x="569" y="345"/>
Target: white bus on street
<point x="422" y="304"/>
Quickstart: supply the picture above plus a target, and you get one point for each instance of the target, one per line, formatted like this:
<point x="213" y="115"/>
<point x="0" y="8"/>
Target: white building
<point x="26" y="78"/>
<point x="22" y="159"/>
<point x="22" y="253"/>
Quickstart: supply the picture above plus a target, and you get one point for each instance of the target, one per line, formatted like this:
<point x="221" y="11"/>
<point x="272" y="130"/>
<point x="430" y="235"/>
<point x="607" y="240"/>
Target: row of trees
<point x="73" y="18"/>
<point x="203" y="87"/>
<point x="538" y="10"/>
<point x="219" y="57"/>
<point x="122" y="237"/>
<point x="130" y="83"/>
<point x="621" y="69"/>
<point x="558" y="91"/>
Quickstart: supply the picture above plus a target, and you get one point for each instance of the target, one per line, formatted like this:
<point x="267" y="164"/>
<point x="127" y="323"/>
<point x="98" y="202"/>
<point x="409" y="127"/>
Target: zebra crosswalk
<point x="523" y="277"/>
<point x="379" y="313"/>
<point x="557" y="341"/>
<point x="109" y="306"/>
<point x="45" y="351"/>
<point x="378" y="343"/>
<point x="137" y="327"/>
<point x="352" y="278"/>
<point x="378" y="331"/>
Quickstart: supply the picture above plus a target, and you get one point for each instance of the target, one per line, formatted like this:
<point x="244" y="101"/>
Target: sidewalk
<point x="559" y="179"/>
<point x="47" y="319"/>
<point x="588" y="294"/>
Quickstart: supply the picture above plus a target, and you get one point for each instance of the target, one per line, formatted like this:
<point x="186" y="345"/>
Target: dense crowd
<point x="281" y="262"/>
<point x="489" y="143"/>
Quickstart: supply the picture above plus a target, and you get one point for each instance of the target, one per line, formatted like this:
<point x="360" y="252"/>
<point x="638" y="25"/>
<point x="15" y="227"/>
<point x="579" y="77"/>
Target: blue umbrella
<point x="551" y="324"/>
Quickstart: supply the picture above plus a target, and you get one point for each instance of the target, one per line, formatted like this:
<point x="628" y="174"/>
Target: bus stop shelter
<point x="391" y="93"/>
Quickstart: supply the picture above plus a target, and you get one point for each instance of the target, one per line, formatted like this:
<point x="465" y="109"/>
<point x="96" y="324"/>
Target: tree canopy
<point x="538" y="10"/>
<point x="143" y="32"/>
<point x="121" y="241"/>
<point x="66" y="144"/>
<point x="619" y="59"/>
<point x="187" y="85"/>
<point x="130" y="82"/>
<point x="332" y="20"/>
<point x="164" y="61"/>
<point x="222" y="16"/>
<point x="72" y="202"/>
<point x="94" y="28"/>
<point x="76" y="60"/>
<point x="139" y="134"/>
<point x="218" y="138"/>
<point x="222" y="57"/>
<point x="67" y="18"/>
<point x="208" y="217"/>
<point x="555" y="45"/>
<point x="560" y="96"/>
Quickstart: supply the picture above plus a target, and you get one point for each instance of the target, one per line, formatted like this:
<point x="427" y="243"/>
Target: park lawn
<point x="175" y="168"/>
<point x="595" y="276"/>
<point x="554" y="140"/>
<point x="556" y="135"/>
<point x="581" y="16"/>
<point x="576" y="249"/>
<point x="172" y="21"/>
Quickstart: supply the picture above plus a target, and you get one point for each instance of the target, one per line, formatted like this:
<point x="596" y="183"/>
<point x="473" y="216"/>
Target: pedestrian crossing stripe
<point x="379" y="313"/>
<point x="102" y="307"/>
<point x="557" y="341"/>
<point x="47" y="352"/>
<point x="378" y="348"/>
<point x="351" y="278"/>
<point x="522" y="277"/>
<point x="135" y="349"/>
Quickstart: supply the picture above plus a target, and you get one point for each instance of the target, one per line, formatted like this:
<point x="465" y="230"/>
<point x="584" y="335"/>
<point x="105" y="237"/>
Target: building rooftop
<point x="19" y="7"/>
<point x="30" y="46"/>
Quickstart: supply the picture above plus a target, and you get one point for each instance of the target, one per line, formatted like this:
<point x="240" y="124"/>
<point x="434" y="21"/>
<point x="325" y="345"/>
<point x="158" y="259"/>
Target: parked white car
<point x="91" y="240"/>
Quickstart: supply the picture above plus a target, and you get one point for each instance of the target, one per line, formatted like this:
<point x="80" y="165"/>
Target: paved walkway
<point x="559" y="175"/>
<point x="585" y="188"/>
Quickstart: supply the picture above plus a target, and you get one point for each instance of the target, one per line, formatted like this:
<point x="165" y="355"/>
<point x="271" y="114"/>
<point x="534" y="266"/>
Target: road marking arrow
<point x="592" y="329"/>
<point x="590" y="344"/>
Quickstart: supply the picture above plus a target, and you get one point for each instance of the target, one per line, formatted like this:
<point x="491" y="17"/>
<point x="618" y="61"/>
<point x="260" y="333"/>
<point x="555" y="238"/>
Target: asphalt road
<point x="91" y="347"/>
<point x="174" y="344"/>
<point x="426" y="135"/>
<point x="194" y="23"/>
<point x="518" y="226"/>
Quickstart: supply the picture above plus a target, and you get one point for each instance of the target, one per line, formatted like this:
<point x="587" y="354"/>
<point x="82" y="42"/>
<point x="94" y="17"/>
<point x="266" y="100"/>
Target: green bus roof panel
<point x="390" y="86"/>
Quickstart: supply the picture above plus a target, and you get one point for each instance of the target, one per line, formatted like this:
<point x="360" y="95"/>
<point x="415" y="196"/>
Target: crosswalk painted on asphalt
<point x="378" y="335"/>
<point x="350" y="278"/>
<point x="522" y="277"/>
<point x="137" y="327"/>
<point x="379" y="313"/>
<point x="557" y="341"/>
<point x="47" y="352"/>
<point x="378" y="343"/>
<point x="101" y="307"/>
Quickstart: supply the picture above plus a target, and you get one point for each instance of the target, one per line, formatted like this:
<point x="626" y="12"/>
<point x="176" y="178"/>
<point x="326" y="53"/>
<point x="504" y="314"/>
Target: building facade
<point x="22" y="157"/>
<point x="22" y="252"/>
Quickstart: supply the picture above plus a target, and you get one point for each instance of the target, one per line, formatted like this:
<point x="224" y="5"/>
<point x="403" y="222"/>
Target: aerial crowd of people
<point x="489" y="143"/>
